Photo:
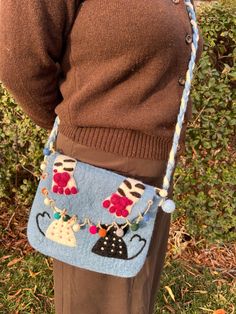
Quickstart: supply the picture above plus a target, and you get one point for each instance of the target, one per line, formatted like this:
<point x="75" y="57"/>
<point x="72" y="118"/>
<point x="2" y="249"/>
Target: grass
<point x="194" y="290"/>
<point x="27" y="287"/>
<point x="26" y="284"/>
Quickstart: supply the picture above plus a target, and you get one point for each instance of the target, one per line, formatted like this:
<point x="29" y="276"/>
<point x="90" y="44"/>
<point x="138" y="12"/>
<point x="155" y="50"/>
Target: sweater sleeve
<point x="32" y="37"/>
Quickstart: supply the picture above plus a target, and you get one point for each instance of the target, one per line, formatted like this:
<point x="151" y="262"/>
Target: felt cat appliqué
<point x="128" y="193"/>
<point x="63" y="180"/>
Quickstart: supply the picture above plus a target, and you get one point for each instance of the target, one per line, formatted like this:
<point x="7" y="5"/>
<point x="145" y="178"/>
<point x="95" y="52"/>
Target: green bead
<point x="134" y="227"/>
<point x="57" y="215"/>
<point x="66" y="218"/>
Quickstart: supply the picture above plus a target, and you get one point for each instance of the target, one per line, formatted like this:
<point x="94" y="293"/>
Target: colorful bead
<point x="102" y="232"/>
<point x="46" y="152"/>
<point x="168" y="206"/>
<point x="44" y="175"/>
<point x="118" y="212"/>
<point x="106" y="203"/>
<point x="67" y="191"/>
<point x="125" y="213"/>
<point x="74" y="190"/>
<point x="112" y="209"/>
<point x="146" y="217"/>
<point x="47" y="201"/>
<point x="76" y="227"/>
<point x="60" y="190"/>
<point x="163" y="193"/>
<point x="55" y="189"/>
<point x="93" y="229"/>
<point x="43" y="166"/>
<point x="119" y="232"/>
<point x="134" y="227"/>
<point x="57" y="215"/>
<point x="66" y="218"/>
<point x="44" y="191"/>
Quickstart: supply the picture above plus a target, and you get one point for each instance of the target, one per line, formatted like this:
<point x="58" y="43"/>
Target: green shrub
<point x="21" y="152"/>
<point x="207" y="183"/>
<point x="205" y="190"/>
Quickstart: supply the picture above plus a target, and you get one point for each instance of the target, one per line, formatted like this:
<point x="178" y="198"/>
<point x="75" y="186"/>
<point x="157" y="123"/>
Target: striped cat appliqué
<point x="128" y="193"/>
<point x="63" y="175"/>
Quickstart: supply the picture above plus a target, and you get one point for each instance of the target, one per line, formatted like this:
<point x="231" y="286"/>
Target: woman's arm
<point x="32" y="36"/>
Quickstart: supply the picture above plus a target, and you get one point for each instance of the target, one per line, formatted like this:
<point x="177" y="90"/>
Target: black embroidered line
<point x="69" y="160"/>
<point x="68" y="169"/>
<point x="140" y="240"/>
<point x="37" y="222"/>
<point x="58" y="164"/>
<point x="136" y="194"/>
<point x="127" y="183"/>
<point x="140" y="185"/>
<point x="121" y="191"/>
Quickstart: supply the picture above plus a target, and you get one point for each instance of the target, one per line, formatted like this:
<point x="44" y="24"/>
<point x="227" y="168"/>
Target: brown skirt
<point x="80" y="291"/>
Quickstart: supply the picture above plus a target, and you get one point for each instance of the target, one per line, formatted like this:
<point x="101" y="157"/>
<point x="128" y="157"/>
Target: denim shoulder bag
<point x="94" y="218"/>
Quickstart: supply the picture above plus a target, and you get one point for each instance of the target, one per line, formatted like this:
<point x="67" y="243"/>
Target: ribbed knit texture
<point x="112" y="70"/>
<point x="127" y="143"/>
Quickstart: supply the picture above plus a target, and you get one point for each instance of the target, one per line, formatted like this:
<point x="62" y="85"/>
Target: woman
<point x="114" y="72"/>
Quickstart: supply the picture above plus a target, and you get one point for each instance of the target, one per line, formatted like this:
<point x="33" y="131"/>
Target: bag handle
<point x="183" y="105"/>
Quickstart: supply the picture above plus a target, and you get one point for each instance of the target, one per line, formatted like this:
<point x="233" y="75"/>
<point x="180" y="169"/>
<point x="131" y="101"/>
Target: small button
<point x="181" y="81"/>
<point x="188" y="38"/>
<point x="175" y="1"/>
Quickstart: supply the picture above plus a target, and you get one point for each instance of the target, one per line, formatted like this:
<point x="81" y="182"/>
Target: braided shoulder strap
<point x="185" y="95"/>
<point x="183" y="105"/>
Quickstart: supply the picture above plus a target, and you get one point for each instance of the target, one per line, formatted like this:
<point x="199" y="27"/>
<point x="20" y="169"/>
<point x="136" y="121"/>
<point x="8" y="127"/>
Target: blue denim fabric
<point x="94" y="184"/>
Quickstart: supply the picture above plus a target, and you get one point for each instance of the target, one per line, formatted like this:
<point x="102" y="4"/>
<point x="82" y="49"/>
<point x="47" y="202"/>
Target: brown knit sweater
<point x="112" y="70"/>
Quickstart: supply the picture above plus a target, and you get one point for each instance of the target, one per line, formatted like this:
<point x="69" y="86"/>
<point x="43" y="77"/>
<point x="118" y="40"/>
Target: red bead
<point x="74" y="190"/>
<point x="93" y="229"/>
<point x="125" y="213"/>
<point x="106" y="203"/>
<point x="55" y="188"/>
<point x="67" y="191"/>
<point x="60" y="190"/>
<point x="118" y="212"/>
<point x="112" y="209"/>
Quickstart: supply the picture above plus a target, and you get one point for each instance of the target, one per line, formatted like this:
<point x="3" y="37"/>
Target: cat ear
<point x="104" y="226"/>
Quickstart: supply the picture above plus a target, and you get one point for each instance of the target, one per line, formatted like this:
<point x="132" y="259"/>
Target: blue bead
<point x="57" y="215"/>
<point x="168" y="206"/>
<point x="146" y="217"/>
<point x="46" y="152"/>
